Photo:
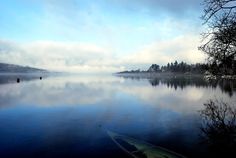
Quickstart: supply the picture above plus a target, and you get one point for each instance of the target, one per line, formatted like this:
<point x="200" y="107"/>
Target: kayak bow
<point x="141" y="149"/>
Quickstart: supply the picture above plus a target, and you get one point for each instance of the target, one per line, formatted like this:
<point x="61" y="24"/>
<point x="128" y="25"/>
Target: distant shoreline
<point x="151" y="75"/>
<point x="157" y="74"/>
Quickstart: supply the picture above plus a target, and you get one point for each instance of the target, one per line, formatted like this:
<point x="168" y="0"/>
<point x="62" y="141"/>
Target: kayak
<point x="141" y="149"/>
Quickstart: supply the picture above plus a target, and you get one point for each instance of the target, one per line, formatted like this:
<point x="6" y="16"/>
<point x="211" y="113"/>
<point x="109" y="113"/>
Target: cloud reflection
<point x="105" y="90"/>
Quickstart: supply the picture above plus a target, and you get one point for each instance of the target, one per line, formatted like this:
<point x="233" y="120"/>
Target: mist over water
<point x="68" y="116"/>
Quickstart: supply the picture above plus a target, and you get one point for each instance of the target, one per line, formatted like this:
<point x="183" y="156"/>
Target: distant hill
<point x="11" y="68"/>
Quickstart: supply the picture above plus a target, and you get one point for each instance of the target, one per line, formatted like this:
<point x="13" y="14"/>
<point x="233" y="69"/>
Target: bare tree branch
<point x="220" y="45"/>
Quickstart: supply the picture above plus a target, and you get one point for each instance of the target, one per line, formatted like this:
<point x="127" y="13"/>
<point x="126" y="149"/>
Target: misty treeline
<point x="184" y="67"/>
<point x="175" y="67"/>
<point x="220" y="36"/>
<point x="181" y="67"/>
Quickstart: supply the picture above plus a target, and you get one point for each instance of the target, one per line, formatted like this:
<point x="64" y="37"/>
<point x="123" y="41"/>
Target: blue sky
<point x="99" y="35"/>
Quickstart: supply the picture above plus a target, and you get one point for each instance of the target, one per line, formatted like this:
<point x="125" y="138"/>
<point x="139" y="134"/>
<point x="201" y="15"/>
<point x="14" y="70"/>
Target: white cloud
<point x="59" y="56"/>
<point x="182" y="48"/>
<point x="93" y="58"/>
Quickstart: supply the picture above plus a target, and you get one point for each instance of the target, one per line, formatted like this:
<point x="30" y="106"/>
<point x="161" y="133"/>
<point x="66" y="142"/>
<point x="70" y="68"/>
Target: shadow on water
<point x="226" y="86"/>
<point x="218" y="128"/>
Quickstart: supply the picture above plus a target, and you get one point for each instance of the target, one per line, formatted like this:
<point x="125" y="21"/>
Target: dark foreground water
<point x="68" y="116"/>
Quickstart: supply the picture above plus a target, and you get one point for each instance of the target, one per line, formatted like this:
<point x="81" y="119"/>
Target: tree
<point x="175" y="66"/>
<point x="154" y="68"/>
<point x="220" y="17"/>
<point x="171" y="67"/>
<point x="168" y="66"/>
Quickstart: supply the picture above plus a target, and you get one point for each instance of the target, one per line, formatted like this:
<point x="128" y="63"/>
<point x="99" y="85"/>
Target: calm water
<point x="68" y="116"/>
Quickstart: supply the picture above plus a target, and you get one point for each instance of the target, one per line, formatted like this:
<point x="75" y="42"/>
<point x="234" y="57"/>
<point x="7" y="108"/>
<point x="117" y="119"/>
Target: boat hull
<point x="140" y="149"/>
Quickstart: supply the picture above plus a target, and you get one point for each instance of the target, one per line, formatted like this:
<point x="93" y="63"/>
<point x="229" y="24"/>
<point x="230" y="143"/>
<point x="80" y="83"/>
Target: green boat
<point x="140" y="149"/>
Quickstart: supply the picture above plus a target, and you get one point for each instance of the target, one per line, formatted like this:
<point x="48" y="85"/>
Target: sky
<point x="100" y="36"/>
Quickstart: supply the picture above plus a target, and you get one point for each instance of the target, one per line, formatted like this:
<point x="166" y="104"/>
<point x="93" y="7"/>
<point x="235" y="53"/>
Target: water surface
<point x="68" y="116"/>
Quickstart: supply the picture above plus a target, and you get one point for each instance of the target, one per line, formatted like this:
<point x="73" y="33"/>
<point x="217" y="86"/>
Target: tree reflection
<point x="176" y="82"/>
<point x="219" y="128"/>
<point x="226" y="86"/>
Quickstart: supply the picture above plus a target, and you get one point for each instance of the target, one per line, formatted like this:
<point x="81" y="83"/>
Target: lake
<point x="69" y="116"/>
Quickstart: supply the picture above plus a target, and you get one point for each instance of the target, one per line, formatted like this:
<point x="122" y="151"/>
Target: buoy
<point x="18" y="80"/>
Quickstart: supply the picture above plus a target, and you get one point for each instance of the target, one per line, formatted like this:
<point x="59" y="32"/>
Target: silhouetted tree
<point x="220" y="45"/>
<point x="168" y="66"/>
<point x="154" y="68"/>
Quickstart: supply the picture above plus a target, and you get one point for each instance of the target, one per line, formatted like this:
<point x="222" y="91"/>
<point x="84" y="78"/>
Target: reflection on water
<point x="227" y="86"/>
<point x="13" y="77"/>
<point x="67" y="116"/>
<point x="219" y="128"/>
